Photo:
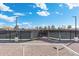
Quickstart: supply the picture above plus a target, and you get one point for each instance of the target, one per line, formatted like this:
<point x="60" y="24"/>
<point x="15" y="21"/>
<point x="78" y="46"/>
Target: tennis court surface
<point x="36" y="48"/>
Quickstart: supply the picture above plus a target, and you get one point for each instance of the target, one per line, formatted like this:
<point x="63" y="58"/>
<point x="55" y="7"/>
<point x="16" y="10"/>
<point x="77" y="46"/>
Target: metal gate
<point x="43" y="33"/>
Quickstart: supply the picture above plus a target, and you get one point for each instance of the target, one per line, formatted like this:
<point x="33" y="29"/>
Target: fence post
<point x="59" y="35"/>
<point x="31" y="34"/>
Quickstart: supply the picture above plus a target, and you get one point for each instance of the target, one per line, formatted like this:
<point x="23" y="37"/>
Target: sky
<point x="38" y="14"/>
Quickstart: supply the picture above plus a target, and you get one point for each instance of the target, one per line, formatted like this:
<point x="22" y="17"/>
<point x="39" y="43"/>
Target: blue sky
<point x="38" y="14"/>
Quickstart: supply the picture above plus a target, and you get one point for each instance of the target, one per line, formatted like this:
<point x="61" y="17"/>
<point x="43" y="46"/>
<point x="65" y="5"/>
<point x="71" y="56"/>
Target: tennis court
<point x="35" y="48"/>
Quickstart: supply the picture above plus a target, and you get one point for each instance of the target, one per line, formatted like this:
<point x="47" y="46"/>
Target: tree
<point x="63" y="27"/>
<point x="59" y="27"/>
<point x="40" y="28"/>
<point x="52" y="27"/>
<point x="69" y="26"/>
<point x="48" y="27"/>
<point x="45" y="27"/>
<point x="36" y="27"/>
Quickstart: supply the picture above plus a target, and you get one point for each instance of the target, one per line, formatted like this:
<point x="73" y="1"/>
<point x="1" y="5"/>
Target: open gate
<point x="43" y="33"/>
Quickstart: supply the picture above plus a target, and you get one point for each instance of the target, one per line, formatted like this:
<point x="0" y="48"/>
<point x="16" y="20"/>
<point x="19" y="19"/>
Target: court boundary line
<point x="70" y="49"/>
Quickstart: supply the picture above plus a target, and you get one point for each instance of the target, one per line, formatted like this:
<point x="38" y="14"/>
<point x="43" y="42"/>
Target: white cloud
<point x="5" y="8"/>
<point x="30" y="12"/>
<point x="42" y="6"/>
<point x="26" y="25"/>
<point x="61" y="5"/>
<point x="43" y="13"/>
<point x="9" y="19"/>
<point x="18" y="14"/>
<point x="23" y="24"/>
<point x="58" y="13"/>
<point x="1" y="25"/>
<point x="34" y="6"/>
<point x="72" y="5"/>
<point x="18" y="24"/>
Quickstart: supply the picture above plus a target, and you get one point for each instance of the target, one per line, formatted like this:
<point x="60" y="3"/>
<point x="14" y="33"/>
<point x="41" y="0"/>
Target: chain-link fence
<point x="7" y="34"/>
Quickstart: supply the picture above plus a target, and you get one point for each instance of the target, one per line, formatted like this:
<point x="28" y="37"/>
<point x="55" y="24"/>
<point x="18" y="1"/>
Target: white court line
<point x="40" y="44"/>
<point x="23" y="50"/>
<point x="71" y="49"/>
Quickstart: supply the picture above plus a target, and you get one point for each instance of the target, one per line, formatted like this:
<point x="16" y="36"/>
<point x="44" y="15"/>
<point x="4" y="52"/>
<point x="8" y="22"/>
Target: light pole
<point x="16" y="29"/>
<point x="76" y="38"/>
<point x="16" y="26"/>
<point x="59" y="35"/>
<point x="75" y="17"/>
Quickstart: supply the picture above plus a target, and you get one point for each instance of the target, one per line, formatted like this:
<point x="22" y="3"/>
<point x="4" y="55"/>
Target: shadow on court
<point x="12" y="41"/>
<point x="59" y="41"/>
<point x="46" y="40"/>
